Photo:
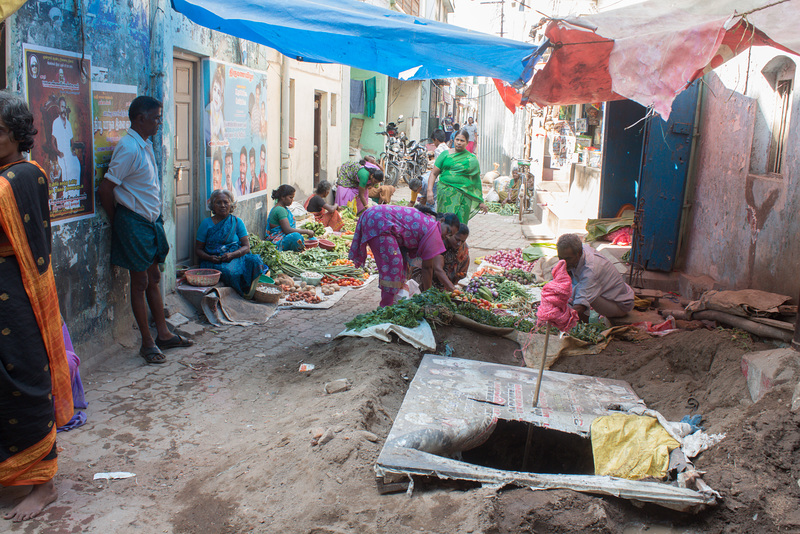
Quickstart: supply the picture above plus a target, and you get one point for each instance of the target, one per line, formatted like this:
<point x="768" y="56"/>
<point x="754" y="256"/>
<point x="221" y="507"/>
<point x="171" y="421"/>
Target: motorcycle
<point x="393" y="157"/>
<point x="401" y="158"/>
<point x="416" y="160"/>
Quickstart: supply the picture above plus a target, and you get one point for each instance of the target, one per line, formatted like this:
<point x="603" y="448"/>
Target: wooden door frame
<point x="198" y="192"/>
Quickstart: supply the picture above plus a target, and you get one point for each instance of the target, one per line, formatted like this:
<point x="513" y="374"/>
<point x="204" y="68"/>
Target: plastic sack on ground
<point x="420" y="337"/>
<point x="534" y="251"/>
<point x="631" y="446"/>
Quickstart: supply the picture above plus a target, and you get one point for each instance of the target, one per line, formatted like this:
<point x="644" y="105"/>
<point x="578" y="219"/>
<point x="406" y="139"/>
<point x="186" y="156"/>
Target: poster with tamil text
<point x="59" y="93"/>
<point x="235" y="129"/>
<point x="110" y="123"/>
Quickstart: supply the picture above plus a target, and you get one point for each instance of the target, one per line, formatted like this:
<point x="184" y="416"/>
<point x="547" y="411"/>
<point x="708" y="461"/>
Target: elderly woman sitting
<point x="222" y="244"/>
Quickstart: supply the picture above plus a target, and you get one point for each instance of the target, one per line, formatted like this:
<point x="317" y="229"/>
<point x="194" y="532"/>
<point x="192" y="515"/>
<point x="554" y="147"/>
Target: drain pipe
<point x="285" y="97"/>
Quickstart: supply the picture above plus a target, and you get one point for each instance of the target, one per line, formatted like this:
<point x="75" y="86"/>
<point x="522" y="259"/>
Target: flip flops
<point x="174" y="342"/>
<point x="152" y="355"/>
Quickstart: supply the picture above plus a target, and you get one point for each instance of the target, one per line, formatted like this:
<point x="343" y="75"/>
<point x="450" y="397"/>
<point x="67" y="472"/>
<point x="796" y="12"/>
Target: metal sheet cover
<point x="453" y="405"/>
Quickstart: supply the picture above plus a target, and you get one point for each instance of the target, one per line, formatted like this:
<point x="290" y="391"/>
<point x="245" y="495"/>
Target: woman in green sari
<point x="459" y="190"/>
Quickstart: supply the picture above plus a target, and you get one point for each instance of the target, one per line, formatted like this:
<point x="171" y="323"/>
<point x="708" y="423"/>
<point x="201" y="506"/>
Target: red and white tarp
<point x="650" y="52"/>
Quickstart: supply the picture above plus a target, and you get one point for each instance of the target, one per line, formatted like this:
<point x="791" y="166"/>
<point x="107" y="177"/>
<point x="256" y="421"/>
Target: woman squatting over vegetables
<point x="323" y="212"/>
<point x="222" y="243"/>
<point x="394" y="231"/>
<point x="280" y="222"/>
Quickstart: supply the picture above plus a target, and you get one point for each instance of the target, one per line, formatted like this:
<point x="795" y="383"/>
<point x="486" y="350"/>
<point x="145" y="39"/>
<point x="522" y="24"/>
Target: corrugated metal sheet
<point x="501" y="134"/>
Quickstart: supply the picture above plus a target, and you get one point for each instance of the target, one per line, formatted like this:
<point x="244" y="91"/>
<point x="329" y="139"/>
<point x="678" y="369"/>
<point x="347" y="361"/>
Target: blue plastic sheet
<point x="365" y="36"/>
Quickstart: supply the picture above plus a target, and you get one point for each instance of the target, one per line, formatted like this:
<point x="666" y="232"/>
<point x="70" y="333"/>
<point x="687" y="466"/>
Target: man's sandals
<point x="154" y="354"/>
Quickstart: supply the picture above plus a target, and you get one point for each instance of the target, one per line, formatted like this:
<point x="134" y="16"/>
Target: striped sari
<point x="35" y="385"/>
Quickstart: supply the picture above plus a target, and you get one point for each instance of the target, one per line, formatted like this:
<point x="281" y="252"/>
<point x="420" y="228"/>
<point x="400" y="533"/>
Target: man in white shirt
<point x="596" y="283"/>
<point x="131" y="195"/>
<point x="67" y="160"/>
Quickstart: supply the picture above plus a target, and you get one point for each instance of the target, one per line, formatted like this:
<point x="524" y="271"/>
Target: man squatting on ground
<point x="596" y="283"/>
<point x="131" y="195"/>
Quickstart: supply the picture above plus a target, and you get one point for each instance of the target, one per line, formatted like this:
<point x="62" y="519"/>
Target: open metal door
<point x="662" y="182"/>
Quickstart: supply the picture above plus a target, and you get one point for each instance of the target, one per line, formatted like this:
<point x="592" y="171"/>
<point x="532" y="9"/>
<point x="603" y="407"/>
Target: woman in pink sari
<point x="394" y="231"/>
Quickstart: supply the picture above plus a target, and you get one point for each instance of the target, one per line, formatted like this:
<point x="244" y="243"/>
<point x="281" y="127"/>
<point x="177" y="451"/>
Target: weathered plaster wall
<point x="93" y="295"/>
<point x="136" y="41"/>
<point x="743" y="226"/>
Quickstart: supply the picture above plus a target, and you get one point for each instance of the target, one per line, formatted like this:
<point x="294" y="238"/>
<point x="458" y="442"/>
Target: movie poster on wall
<point x="110" y="103"/>
<point x="59" y="91"/>
<point x="235" y="129"/>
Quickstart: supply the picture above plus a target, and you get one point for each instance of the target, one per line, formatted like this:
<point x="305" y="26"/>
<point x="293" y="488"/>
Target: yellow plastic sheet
<point x="631" y="446"/>
<point x="9" y="7"/>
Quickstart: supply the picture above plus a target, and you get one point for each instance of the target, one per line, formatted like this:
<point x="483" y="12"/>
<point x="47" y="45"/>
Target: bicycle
<point x="525" y="187"/>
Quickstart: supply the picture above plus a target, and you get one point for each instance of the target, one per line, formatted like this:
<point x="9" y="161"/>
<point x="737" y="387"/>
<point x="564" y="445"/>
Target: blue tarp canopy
<point x="364" y="36"/>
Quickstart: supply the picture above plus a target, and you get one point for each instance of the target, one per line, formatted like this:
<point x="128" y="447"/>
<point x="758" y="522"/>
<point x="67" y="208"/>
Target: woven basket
<point x="267" y="298"/>
<point x="203" y="277"/>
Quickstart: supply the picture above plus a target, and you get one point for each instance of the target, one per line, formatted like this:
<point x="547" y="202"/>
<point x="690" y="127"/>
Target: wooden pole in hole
<point x="529" y="440"/>
<point x="541" y="366"/>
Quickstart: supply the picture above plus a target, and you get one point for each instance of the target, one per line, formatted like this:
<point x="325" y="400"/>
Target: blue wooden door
<point x="622" y="155"/>
<point x="662" y="181"/>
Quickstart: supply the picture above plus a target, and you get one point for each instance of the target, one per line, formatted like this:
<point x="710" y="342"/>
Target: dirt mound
<point x="756" y="468"/>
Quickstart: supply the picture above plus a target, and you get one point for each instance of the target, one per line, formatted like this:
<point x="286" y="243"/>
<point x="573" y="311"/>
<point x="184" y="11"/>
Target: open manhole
<point x="474" y="421"/>
<point x="547" y="451"/>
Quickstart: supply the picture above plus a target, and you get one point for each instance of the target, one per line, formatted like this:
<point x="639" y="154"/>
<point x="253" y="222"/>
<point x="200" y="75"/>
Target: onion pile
<point x="510" y="259"/>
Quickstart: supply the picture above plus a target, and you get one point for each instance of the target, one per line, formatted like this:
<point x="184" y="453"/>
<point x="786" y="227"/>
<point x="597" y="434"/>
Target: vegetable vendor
<point x="327" y="214"/>
<point x="222" y="243"/>
<point x="280" y="222"/>
<point x="354" y="181"/>
<point x="455" y="260"/>
<point x="390" y="231"/>
<point x="459" y="181"/>
<point x="596" y="283"/>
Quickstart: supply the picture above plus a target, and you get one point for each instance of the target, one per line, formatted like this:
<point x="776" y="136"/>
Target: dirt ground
<point x="224" y="443"/>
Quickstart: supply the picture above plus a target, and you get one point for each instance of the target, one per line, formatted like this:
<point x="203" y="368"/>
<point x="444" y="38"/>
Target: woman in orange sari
<point x="324" y="213"/>
<point x="35" y="387"/>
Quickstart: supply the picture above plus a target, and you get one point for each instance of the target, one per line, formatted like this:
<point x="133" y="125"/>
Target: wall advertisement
<point x="235" y="129"/>
<point x="59" y="92"/>
<point x="110" y="103"/>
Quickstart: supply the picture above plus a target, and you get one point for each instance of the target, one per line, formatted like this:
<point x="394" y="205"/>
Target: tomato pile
<point x="480" y="303"/>
<point x="342" y="262"/>
<point x="347" y="281"/>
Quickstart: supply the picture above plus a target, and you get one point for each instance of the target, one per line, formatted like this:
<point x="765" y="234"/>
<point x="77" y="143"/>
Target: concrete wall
<point x="136" y="42"/>
<point x="371" y="143"/>
<point x="404" y="99"/>
<point x="327" y="81"/>
<point x="743" y="227"/>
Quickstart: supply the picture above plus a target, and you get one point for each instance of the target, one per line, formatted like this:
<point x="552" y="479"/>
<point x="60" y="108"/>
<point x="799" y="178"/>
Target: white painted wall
<point x="404" y="99"/>
<point x="327" y="80"/>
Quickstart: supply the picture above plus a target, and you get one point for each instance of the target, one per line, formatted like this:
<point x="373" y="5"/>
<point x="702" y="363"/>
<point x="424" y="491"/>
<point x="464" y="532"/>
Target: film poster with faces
<point x="110" y="103"/>
<point x="235" y="129"/>
<point x="59" y="91"/>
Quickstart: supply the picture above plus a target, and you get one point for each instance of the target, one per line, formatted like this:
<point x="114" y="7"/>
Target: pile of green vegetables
<point x="295" y="263"/>
<point x="316" y="260"/>
<point x="317" y="227"/>
<point x="267" y="250"/>
<point x="409" y="312"/>
<point x="349" y="219"/>
<point x="502" y="209"/>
